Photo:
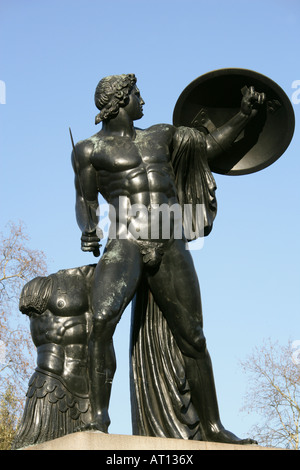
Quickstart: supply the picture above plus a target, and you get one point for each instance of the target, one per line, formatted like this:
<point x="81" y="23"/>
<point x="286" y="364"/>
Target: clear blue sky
<point x="52" y="56"/>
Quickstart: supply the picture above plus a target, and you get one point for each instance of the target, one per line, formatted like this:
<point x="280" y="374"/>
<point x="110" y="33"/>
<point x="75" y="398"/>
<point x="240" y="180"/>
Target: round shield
<point x="212" y="99"/>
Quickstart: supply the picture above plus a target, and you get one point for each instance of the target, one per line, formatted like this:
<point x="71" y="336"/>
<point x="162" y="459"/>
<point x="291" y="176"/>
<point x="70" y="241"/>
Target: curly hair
<point x="111" y="93"/>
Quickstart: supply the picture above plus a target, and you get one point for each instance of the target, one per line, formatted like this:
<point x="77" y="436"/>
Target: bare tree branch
<point x="274" y="393"/>
<point x="19" y="263"/>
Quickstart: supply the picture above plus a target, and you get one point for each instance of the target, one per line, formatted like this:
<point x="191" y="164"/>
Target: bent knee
<point x="105" y="320"/>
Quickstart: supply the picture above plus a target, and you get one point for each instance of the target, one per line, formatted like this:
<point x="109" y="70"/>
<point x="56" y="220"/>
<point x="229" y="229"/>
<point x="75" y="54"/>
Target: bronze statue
<point x="136" y="168"/>
<point x="161" y="396"/>
<point x="57" y="400"/>
<point x="160" y="189"/>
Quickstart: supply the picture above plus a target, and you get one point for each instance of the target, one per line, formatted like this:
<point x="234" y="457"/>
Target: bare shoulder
<point x="162" y="128"/>
<point x="84" y="150"/>
<point x="159" y="132"/>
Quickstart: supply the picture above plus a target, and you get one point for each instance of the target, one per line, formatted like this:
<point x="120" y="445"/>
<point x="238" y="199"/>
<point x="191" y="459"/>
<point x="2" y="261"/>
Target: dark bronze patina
<point x="232" y="122"/>
<point x="163" y="164"/>
<point x="212" y="99"/>
<point x="57" y="401"/>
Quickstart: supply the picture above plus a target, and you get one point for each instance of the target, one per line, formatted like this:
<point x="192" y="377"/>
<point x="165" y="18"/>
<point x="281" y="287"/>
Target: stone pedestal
<point x="93" y="440"/>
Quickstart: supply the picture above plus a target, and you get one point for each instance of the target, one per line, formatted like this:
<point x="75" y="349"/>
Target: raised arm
<point x="221" y="139"/>
<point x="86" y="196"/>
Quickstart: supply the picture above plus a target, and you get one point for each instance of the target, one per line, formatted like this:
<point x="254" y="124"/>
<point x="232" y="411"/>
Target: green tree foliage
<point x="9" y="417"/>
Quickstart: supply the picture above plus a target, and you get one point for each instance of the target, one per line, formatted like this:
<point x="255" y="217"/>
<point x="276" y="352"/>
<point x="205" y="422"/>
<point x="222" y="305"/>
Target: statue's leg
<point x="116" y="278"/>
<point x="176" y="290"/>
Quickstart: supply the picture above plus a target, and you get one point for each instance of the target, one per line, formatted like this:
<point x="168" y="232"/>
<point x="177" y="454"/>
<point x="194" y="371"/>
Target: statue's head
<point x="112" y="93"/>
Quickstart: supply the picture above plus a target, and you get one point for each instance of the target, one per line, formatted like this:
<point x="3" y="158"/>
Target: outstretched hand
<point x="251" y="101"/>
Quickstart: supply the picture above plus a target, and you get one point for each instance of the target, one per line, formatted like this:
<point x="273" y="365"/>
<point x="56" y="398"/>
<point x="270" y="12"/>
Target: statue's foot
<point x="93" y="426"/>
<point x="220" y="434"/>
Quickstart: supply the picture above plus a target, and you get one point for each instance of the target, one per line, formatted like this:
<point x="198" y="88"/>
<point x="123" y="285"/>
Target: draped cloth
<point x="160" y="395"/>
<point x="194" y="181"/>
<point x="161" y="400"/>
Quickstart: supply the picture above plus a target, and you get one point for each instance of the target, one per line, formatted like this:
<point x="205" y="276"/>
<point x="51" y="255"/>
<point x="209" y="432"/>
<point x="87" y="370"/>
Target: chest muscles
<point x="119" y="154"/>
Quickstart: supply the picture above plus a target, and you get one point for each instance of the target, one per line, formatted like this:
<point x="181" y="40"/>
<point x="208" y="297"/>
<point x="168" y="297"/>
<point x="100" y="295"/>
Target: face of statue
<point x="134" y="108"/>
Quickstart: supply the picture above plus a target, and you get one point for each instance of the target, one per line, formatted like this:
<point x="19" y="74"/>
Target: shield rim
<point x="249" y="74"/>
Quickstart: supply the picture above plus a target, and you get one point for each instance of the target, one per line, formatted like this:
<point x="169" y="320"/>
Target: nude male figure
<point x="131" y="166"/>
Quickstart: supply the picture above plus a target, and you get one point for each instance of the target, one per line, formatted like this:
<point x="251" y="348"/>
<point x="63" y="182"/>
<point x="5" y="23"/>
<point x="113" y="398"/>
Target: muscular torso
<point x="132" y="172"/>
<point x="60" y="333"/>
<point x="139" y="169"/>
<point x="65" y="319"/>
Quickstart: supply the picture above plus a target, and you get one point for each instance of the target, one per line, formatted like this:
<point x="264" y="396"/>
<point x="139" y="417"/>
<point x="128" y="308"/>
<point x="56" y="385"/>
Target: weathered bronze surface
<point x="144" y="169"/>
<point x="230" y="122"/>
<point x="57" y="401"/>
